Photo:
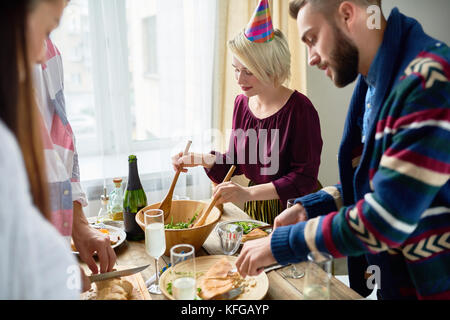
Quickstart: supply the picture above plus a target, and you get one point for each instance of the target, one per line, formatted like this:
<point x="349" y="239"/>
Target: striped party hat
<point x="260" y="28"/>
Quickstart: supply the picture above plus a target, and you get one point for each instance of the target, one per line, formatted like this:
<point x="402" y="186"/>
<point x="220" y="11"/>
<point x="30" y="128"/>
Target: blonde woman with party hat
<point x="276" y="140"/>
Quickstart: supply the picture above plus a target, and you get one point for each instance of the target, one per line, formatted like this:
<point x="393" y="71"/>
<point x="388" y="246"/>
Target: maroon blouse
<point x="284" y="148"/>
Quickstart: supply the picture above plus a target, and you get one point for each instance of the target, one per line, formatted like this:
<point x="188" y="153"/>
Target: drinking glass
<point x="230" y="237"/>
<point x="318" y="276"/>
<point x="182" y="259"/>
<point x="155" y="241"/>
<point x="293" y="272"/>
<point x="290" y="202"/>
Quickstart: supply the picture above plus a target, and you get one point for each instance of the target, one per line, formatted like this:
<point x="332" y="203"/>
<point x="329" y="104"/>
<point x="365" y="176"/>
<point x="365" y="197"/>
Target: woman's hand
<point x="231" y="192"/>
<point x="292" y="215"/>
<point x="180" y="161"/>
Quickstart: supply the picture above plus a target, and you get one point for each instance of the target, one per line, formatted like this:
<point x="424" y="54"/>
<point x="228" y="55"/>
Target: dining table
<point x="281" y="287"/>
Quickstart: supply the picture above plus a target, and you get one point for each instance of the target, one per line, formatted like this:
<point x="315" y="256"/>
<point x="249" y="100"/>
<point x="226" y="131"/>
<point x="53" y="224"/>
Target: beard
<point x="345" y="57"/>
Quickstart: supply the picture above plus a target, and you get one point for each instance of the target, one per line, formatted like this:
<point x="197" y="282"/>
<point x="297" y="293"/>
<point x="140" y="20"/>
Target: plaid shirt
<point x="59" y="142"/>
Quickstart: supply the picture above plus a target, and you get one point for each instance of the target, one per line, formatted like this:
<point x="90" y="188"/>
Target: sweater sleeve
<point x="306" y="149"/>
<point x="324" y="201"/>
<point x="411" y="172"/>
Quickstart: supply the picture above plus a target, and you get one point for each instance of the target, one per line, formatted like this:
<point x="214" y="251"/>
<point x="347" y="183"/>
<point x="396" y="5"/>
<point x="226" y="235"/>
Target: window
<point x="138" y="80"/>
<point x="74" y="44"/>
<point x="149" y="43"/>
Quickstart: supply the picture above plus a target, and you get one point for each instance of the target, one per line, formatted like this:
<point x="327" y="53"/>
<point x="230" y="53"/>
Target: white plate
<point x="114" y="232"/>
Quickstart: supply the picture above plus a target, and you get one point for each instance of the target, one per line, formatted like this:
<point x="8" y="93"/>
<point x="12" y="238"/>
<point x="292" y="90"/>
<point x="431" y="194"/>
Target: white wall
<point x="332" y="103"/>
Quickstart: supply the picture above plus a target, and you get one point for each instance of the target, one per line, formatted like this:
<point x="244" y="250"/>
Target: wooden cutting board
<point x="140" y="291"/>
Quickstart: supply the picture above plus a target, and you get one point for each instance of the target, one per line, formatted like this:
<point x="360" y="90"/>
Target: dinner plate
<point x="202" y="265"/>
<point x="114" y="233"/>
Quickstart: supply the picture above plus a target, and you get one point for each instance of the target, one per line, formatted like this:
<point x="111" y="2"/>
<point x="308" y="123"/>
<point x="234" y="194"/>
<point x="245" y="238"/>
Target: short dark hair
<point x="325" y="6"/>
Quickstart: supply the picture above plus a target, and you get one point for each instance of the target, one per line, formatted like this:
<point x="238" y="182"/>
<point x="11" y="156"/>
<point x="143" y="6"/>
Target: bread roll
<point x="114" y="289"/>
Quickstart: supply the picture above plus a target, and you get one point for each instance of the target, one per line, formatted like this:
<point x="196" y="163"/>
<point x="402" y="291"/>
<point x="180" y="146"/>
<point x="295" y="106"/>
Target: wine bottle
<point x="133" y="201"/>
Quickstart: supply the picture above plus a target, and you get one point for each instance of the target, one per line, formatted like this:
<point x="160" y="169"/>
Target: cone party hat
<point x="260" y="28"/>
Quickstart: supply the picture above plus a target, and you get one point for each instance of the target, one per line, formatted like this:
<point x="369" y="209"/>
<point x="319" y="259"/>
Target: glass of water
<point x="155" y="241"/>
<point x="182" y="258"/>
<point x="230" y="237"/>
<point x="293" y="272"/>
<point x="318" y="276"/>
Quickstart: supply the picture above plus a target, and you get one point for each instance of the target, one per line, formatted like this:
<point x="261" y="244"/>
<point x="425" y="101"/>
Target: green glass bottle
<point x="133" y="201"/>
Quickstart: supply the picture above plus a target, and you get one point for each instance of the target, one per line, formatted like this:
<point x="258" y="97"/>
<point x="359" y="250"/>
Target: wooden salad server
<point x="201" y="220"/>
<point x="166" y="204"/>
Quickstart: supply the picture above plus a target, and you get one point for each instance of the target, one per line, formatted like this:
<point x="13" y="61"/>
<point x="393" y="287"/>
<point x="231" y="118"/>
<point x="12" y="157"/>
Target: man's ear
<point x="347" y="16"/>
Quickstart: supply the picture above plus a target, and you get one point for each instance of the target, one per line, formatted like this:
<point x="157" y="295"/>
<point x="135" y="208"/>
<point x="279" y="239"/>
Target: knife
<point x="115" y="274"/>
<point x="273" y="267"/>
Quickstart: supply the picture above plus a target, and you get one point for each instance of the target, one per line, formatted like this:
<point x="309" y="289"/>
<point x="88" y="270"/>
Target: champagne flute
<point x="293" y="272"/>
<point x="182" y="259"/>
<point x="155" y="241"/>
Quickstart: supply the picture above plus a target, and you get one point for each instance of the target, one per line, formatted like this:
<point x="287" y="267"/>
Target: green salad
<point x="181" y="225"/>
<point x="247" y="225"/>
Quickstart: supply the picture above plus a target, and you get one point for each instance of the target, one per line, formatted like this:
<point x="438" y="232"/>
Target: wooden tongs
<point x="201" y="220"/>
<point x="166" y="204"/>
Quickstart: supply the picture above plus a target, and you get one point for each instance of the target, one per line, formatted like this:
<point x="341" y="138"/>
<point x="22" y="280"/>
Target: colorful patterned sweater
<point x="393" y="202"/>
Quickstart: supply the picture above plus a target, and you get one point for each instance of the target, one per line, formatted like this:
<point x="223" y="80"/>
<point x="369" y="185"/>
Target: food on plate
<point x="218" y="280"/>
<point x="114" y="238"/>
<point x="247" y="226"/>
<point x="221" y="278"/>
<point x="114" y="289"/>
<point x="254" y="234"/>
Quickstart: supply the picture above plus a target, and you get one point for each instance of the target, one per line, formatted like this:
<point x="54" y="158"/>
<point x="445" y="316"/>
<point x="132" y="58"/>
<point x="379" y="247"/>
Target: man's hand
<point x="292" y="215"/>
<point x="87" y="240"/>
<point x="255" y="255"/>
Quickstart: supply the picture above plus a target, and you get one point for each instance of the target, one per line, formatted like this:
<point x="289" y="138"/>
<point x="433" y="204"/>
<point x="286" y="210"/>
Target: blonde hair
<point x="270" y="62"/>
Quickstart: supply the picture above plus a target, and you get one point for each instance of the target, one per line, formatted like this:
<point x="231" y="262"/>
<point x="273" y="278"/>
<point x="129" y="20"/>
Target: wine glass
<point x="182" y="259"/>
<point x="293" y="272"/>
<point x="155" y="241"/>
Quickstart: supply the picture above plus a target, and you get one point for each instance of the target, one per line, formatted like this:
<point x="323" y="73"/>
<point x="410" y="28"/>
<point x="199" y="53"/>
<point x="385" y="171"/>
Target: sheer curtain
<point x="151" y="65"/>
